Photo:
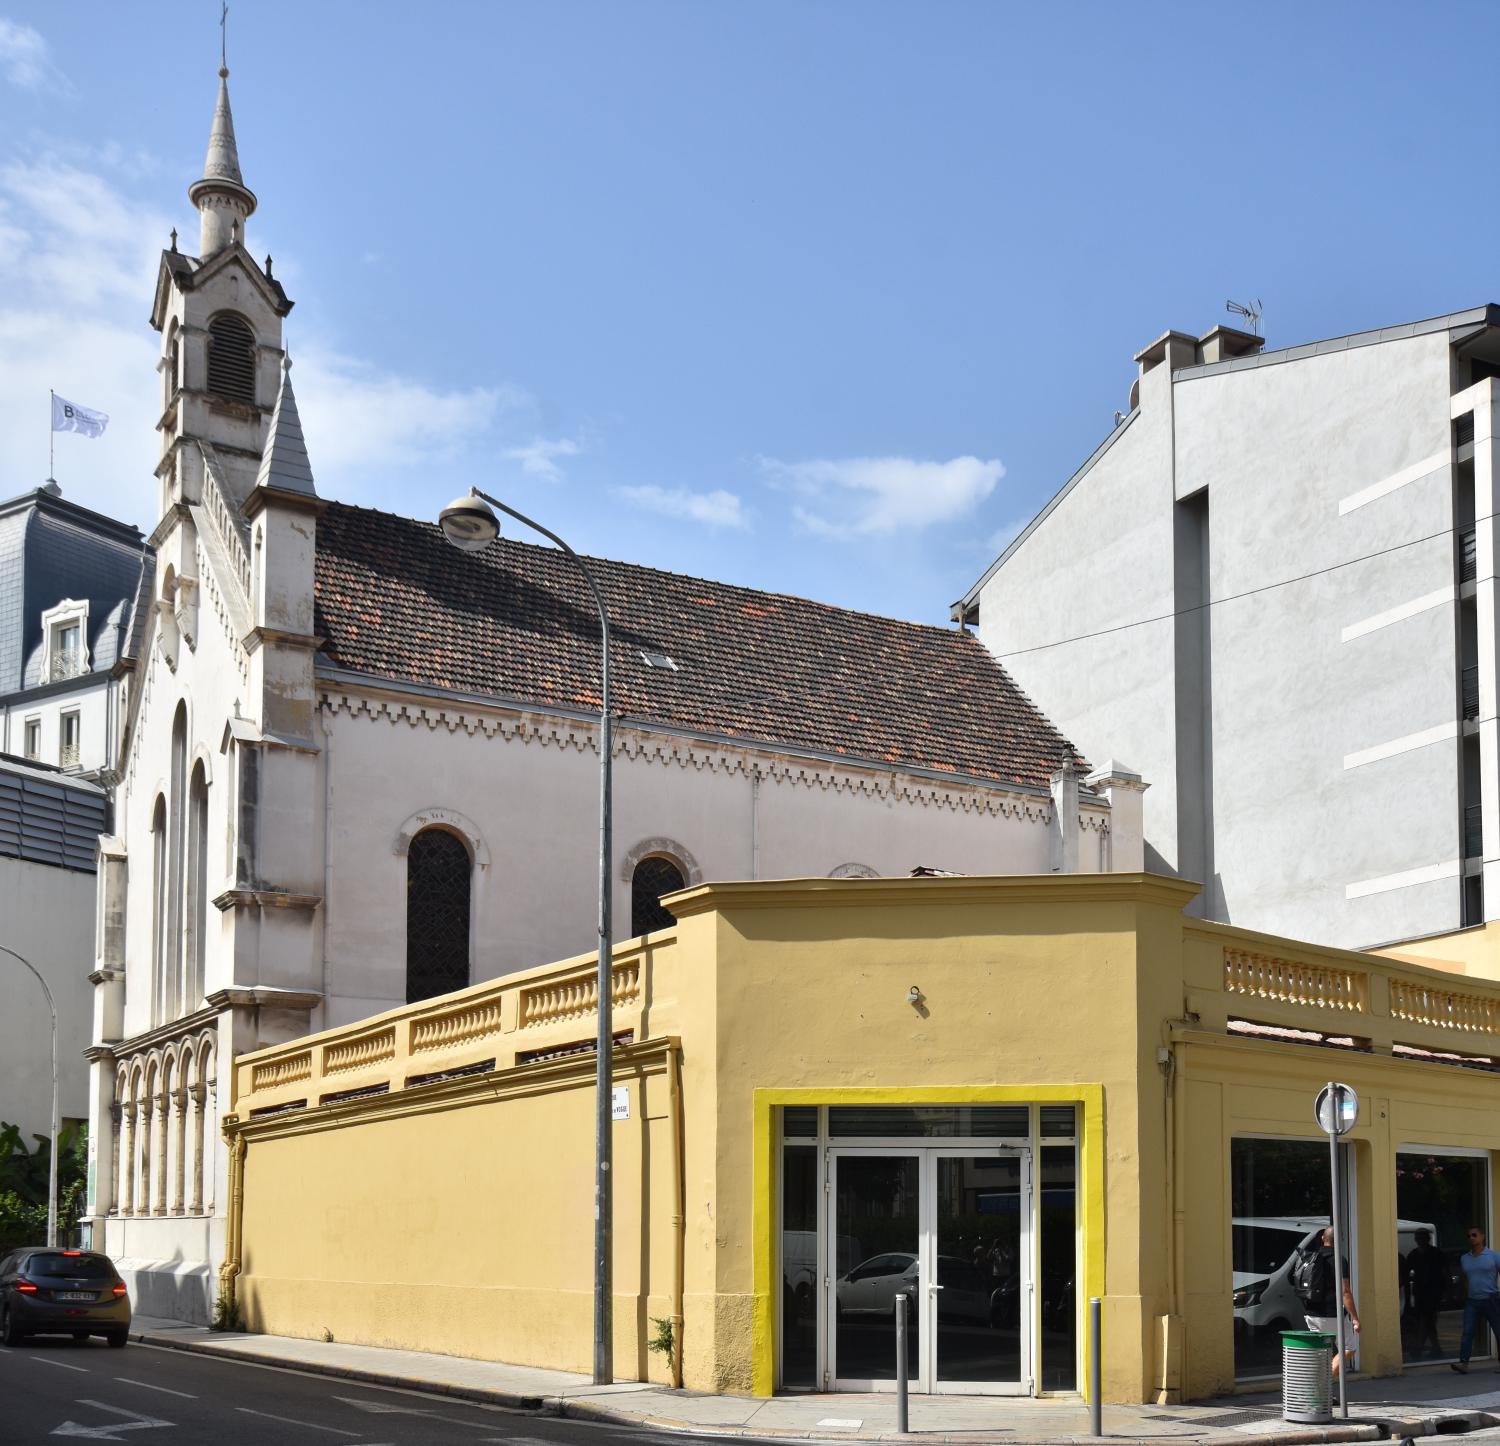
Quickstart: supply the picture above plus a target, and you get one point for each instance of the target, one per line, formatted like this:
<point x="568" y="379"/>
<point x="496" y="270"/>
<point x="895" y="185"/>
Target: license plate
<point x="75" y="1295"/>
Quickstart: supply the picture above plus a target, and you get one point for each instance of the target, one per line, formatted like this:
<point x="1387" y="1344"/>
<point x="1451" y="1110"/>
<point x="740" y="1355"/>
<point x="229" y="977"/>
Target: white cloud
<point x="23" y="57"/>
<point x="870" y="496"/>
<point x="356" y="415"/>
<point x="80" y="256"/>
<point x="538" y="458"/>
<point x="713" y="509"/>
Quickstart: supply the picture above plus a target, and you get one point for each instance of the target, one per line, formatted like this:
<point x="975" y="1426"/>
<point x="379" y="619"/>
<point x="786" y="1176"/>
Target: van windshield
<point x="1263" y="1249"/>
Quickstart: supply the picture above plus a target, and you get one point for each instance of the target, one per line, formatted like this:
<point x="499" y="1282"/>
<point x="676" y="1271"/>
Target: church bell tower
<point x="219" y="315"/>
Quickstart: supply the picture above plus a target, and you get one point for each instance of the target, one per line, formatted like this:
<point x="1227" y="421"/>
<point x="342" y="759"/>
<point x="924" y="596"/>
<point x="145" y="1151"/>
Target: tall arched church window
<point x="159" y="875"/>
<point x="231" y="358"/>
<point x="438" y="878"/>
<point x="197" y="885"/>
<point x="653" y="877"/>
<point x="170" y="371"/>
<point x="176" y="962"/>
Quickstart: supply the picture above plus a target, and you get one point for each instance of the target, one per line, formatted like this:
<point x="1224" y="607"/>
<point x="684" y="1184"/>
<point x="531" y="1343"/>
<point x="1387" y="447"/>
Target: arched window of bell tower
<point x="231" y="358"/>
<point x="172" y="370"/>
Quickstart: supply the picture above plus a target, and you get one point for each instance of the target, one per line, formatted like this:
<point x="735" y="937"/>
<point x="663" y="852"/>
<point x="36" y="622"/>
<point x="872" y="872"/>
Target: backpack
<point x="1312" y="1275"/>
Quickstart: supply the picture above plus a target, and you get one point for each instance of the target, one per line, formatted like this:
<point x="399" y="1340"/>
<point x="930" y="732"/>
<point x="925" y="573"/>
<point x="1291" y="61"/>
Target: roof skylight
<point x="658" y="660"/>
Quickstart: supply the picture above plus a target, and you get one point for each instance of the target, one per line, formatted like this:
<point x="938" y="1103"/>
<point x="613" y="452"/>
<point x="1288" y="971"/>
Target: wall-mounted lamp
<point x="914" y="995"/>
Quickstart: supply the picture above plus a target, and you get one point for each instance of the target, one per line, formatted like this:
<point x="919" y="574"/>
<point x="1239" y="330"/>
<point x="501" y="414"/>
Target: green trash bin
<point x="1307" y="1376"/>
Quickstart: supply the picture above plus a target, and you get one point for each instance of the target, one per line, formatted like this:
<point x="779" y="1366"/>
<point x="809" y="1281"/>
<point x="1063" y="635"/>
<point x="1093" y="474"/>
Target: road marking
<point x="147" y="1386"/>
<point x="377" y="1408"/>
<point x="108" y="1432"/>
<point x="47" y="1360"/>
<point x="292" y="1421"/>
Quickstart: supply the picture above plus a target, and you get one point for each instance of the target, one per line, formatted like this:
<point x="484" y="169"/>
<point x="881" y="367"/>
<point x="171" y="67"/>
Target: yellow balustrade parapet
<point x="1370" y="999"/>
<point x="536" y="1013"/>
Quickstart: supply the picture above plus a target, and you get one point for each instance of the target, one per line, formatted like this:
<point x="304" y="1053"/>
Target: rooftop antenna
<point x="1251" y="311"/>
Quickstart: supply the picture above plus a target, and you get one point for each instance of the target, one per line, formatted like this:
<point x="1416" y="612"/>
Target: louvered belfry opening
<point x="438" y="874"/>
<point x="231" y="358"/>
<point x="653" y="877"/>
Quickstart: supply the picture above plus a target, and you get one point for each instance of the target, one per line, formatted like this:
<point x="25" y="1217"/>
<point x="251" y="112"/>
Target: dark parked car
<point x="75" y="1293"/>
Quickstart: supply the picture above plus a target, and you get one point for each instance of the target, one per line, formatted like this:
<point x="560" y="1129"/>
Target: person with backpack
<point x="1313" y="1280"/>
<point x="1426" y="1283"/>
<point x="1481" y="1267"/>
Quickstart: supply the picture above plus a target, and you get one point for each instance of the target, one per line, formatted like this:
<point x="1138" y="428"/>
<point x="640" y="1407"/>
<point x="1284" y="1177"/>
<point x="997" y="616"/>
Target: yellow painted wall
<point x="458" y="1217"/>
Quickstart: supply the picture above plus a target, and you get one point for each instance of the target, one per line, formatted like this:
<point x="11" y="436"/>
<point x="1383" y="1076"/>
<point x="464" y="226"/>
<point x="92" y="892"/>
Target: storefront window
<point x="1059" y="1256"/>
<point x="1280" y="1200"/>
<point x="1437" y="1196"/>
<point x="799" y="1266"/>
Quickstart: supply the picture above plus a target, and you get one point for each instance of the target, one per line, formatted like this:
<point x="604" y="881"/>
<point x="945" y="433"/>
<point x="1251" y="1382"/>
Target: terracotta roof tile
<point x="515" y="621"/>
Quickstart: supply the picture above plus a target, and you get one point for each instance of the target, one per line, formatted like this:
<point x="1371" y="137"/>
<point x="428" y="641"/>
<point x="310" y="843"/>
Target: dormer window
<point x="65" y="631"/>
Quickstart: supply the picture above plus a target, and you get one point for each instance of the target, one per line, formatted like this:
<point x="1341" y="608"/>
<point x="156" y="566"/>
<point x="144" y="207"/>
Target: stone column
<point x="200" y="1099"/>
<point x="179" y="1157"/>
<point x="163" y="1134"/>
<point x="116" y="1184"/>
<point x="127" y="1156"/>
<point x="210" y="1168"/>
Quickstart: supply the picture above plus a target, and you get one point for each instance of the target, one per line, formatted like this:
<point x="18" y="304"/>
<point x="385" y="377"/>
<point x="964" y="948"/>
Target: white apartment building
<point x="1273" y="588"/>
<point x="69" y="577"/>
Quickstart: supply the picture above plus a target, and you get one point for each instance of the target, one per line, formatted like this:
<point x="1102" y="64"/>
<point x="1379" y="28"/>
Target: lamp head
<point x="469" y="523"/>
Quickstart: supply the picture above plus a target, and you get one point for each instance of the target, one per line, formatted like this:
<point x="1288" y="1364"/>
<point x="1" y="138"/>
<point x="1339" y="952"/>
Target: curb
<point x="488" y="1396"/>
<point x="594" y="1410"/>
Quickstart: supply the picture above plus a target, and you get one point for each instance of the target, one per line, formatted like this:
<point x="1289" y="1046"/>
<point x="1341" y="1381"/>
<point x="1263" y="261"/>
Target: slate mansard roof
<point x="515" y="621"/>
<point x="51" y="549"/>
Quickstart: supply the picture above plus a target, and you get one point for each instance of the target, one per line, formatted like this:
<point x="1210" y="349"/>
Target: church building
<point x="358" y="768"/>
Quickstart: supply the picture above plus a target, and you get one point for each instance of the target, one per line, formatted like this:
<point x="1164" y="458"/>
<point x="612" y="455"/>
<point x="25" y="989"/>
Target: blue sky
<point x="825" y="298"/>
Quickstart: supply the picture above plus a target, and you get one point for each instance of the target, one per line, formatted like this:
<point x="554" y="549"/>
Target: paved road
<point x="59" y="1390"/>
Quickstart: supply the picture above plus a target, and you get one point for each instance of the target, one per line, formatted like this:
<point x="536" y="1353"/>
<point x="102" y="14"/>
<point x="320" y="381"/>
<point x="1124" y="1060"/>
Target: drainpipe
<point x="755" y="821"/>
<point x="679" y="1207"/>
<point x="229" y="1271"/>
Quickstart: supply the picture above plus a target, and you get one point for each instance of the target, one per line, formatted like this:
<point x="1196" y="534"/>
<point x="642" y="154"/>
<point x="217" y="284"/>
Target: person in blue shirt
<point x="1481" y="1267"/>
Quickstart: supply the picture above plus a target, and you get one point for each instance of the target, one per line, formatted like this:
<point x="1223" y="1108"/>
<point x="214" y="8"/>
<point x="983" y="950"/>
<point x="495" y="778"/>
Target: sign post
<point x="1337" y="1111"/>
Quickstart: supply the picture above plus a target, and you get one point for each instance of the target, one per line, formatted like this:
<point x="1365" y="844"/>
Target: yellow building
<point x="999" y="1095"/>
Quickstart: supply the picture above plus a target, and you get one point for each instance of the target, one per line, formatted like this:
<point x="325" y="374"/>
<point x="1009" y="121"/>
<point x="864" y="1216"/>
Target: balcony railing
<point x="68" y="755"/>
<point x="65" y="663"/>
<point x="1468" y="555"/>
<point x="1473" y="830"/>
<point x="1471" y="693"/>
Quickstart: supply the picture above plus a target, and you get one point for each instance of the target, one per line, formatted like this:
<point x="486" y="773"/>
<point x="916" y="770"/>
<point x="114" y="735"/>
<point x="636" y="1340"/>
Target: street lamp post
<point x="52" y="1162"/>
<point x="468" y="523"/>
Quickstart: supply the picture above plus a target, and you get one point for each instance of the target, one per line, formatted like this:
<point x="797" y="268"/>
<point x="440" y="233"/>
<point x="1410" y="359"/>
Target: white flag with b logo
<point x="70" y="417"/>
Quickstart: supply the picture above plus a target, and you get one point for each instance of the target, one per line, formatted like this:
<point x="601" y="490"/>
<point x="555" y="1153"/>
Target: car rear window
<point x="82" y="1264"/>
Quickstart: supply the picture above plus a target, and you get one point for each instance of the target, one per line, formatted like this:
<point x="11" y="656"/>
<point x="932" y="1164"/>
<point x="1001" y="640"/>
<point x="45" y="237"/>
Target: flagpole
<point x="51" y="436"/>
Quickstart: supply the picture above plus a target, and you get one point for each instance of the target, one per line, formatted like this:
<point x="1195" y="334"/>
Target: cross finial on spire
<point x="174" y="239"/>
<point x="224" y="41"/>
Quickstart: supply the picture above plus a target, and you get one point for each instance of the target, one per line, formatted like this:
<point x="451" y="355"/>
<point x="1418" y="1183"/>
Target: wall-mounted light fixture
<point x="914" y="995"/>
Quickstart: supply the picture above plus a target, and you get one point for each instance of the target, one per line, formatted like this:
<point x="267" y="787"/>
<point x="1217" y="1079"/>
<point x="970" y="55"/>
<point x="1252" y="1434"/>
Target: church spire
<point x="284" y="464"/>
<point x="223" y="200"/>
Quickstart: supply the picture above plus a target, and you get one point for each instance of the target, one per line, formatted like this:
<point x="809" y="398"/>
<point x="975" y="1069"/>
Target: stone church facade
<point x="357" y="768"/>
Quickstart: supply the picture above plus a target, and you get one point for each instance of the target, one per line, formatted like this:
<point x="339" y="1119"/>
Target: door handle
<point x="934" y="1287"/>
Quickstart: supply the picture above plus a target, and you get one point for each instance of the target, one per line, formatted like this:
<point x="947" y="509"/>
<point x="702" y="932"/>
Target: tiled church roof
<point x="395" y="600"/>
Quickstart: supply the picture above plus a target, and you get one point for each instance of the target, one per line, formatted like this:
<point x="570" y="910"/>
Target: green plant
<point x="23" y="1184"/>
<point x="327" y="1334"/>
<point x="662" y="1341"/>
<point x="227" y="1315"/>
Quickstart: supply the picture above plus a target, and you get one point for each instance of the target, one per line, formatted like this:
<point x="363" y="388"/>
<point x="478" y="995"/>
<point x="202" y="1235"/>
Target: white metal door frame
<point x="926" y="1379"/>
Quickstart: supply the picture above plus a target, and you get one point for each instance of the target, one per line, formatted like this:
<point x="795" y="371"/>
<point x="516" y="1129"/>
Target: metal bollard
<point x="901" y="1421"/>
<point x="1096" y="1384"/>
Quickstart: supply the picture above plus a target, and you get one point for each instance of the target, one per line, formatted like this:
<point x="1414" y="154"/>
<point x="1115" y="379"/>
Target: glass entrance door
<point x="951" y="1230"/>
<point x="876" y="1224"/>
<point x="981" y="1310"/>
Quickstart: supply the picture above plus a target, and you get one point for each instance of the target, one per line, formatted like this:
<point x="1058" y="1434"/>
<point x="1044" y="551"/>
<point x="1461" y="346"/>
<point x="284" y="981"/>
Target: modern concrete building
<point x="49" y="833"/>
<point x="1273" y="588"/>
<point x="68" y="580"/>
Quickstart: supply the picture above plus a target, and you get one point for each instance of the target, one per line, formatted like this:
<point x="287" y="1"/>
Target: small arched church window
<point x="653" y="877"/>
<point x="438" y="876"/>
<point x="231" y="358"/>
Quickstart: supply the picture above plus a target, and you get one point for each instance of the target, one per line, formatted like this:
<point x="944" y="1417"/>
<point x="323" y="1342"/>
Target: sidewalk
<point x="1420" y="1404"/>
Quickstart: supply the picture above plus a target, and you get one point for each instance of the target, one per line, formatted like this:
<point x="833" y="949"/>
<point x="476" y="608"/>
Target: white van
<point x="1263" y="1252"/>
